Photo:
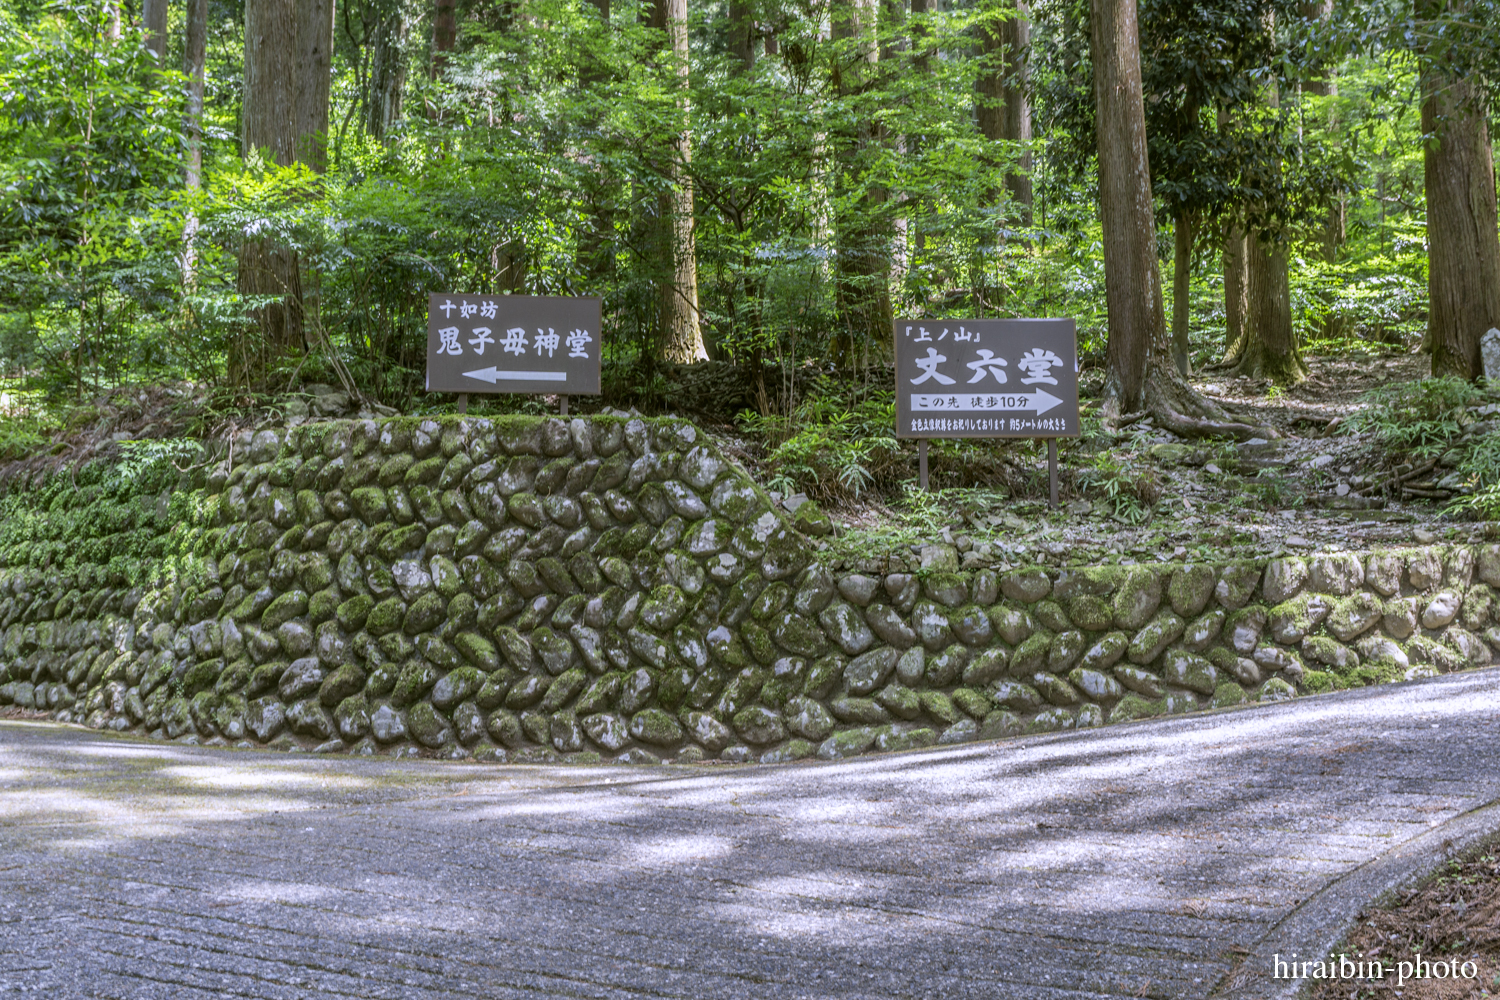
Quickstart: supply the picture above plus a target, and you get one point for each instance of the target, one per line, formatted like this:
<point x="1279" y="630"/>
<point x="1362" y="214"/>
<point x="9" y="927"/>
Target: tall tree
<point x="1139" y="373"/>
<point x="288" y="69"/>
<point x="862" y="227"/>
<point x="1463" y="249"/>
<point x="387" y="82"/>
<point x="444" y="33"/>
<point x="680" y="338"/>
<point x="154" y="20"/>
<point x="1003" y="107"/>
<point x="1270" y="349"/>
<point x="1132" y="283"/>
<point x="195" y="60"/>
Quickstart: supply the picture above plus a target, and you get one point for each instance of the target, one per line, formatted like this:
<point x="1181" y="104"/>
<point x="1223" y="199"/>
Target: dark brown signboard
<point x="513" y="343"/>
<point x="959" y="378"/>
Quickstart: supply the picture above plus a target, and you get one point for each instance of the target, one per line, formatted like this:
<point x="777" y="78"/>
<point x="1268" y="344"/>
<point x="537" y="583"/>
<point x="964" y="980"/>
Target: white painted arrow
<point x="493" y="375"/>
<point x="1037" y="402"/>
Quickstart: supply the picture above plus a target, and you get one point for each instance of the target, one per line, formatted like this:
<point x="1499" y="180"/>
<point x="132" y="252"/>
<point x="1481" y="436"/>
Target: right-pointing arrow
<point x="1039" y="402"/>
<point x="493" y="375"/>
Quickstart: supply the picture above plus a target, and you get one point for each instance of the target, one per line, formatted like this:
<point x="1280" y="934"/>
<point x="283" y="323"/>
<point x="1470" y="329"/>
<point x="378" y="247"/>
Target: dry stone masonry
<point x="531" y="589"/>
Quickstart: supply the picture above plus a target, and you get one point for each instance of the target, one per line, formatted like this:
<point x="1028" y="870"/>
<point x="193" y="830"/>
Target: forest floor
<point x="1142" y="495"/>
<point x="1453" y="918"/>
<point x="1152" y="495"/>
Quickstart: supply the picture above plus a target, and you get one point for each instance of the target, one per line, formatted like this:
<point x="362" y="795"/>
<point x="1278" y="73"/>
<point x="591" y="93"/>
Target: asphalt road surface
<point x="1161" y="859"/>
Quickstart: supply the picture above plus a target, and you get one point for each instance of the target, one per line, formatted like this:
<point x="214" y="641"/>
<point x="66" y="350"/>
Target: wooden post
<point x="1052" y="471"/>
<point x="563" y="404"/>
<point x="922" y="463"/>
<point x="463" y="402"/>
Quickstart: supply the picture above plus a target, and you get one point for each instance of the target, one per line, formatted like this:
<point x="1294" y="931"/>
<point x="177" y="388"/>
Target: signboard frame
<point x="524" y="344"/>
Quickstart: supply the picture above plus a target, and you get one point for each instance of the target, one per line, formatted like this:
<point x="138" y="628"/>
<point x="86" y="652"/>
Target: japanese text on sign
<point x="1023" y="367"/>
<point x="513" y="343"/>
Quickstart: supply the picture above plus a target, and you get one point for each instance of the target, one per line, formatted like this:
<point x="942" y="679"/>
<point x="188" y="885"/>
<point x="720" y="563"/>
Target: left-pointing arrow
<point x="493" y="375"/>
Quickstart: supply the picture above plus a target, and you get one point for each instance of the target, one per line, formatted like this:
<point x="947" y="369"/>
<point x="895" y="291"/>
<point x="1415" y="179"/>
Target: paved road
<point x="1159" y="859"/>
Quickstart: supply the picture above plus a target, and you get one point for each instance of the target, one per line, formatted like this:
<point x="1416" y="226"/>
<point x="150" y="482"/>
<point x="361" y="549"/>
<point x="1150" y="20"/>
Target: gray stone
<point x="890" y="626"/>
<point x="846" y="627"/>
<point x="1489" y="354"/>
<point x="1424" y="569"/>
<point x="654" y="726"/>
<point x="1106" y="652"/>
<point x="1468" y="645"/>
<point x="1336" y="574"/>
<point x="1137" y="598"/>
<point x="608" y="731"/>
<point x="815" y="592"/>
<point x="1441" y="610"/>
<point x="759" y="725"/>
<point x="1154" y="638"/>
<point x="807" y="718"/>
<point x="264" y="717"/>
<point x="1383" y="573"/>
<point x="849" y="743"/>
<point x="858" y="710"/>
<point x="931" y="626"/>
<point x="1094" y="685"/>
<point x="869" y="670"/>
<point x="911" y="665"/>
<point x="387" y="725"/>
<point x="1186" y="670"/>
<point x="1204" y="629"/>
<point x="1321" y="649"/>
<point x="972" y="626"/>
<point x="1190" y="589"/>
<point x="1399" y="617"/>
<point x="300" y="678"/>
<point x="986" y="666"/>
<point x="858" y="589"/>
<point x="1283" y="580"/>
<point x="1375" y="648"/>
<point x="1236" y="585"/>
<point x="1026" y="585"/>
<point x="1140" y="681"/>
<point x="1353" y="616"/>
<point x="699" y="468"/>
<point x="1054" y="689"/>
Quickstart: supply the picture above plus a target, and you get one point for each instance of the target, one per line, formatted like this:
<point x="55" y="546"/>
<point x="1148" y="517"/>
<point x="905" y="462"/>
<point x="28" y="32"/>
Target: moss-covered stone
<point x="1137" y="598"/>
<point x="344" y="682"/>
<point x="1090" y="612"/>
<point x="425" y="614"/>
<point x="1132" y="707"/>
<point x="806" y="718"/>
<point x="1017" y="695"/>
<point x="939" y="707"/>
<point x="1051" y="616"/>
<point x="1031" y="655"/>
<point x="1095" y="685"/>
<point x="289" y="605"/>
<point x="655" y="727"/>
<point x="1187" y="670"/>
<point x="413" y="682"/>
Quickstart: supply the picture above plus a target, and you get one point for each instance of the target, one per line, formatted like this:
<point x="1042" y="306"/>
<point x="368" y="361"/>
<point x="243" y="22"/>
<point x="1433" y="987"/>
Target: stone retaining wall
<point x="535" y="589"/>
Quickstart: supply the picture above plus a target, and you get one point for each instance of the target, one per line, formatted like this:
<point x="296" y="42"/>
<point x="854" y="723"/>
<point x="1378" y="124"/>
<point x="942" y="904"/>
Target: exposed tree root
<point x="1183" y="410"/>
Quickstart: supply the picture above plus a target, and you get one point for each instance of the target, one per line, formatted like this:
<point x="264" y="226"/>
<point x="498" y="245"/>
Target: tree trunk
<point x="1132" y="283"/>
<point x="1182" y="281"/>
<point x="387" y="74"/>
<point x="1323" y="84"/>
<point x="1236" y="290"/>
<point x="444" y="34"/>
<point x="679" y="337"/>
<point x="1003" y="107"/>
<point x="1463" y="250"/>
<point x="1271" y="342"/>
<point x="862" y="258"/>
<point x="742" y="33"/>
<point x="154" y="20"/>
<point x="195" y="59"/>
<point x="288" y="49"/>
<point x="114" y="26"/>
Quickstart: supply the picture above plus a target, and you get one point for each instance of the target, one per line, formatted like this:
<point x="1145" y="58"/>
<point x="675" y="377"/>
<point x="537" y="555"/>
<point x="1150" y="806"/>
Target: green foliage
<point x="1414" y="422"/>
<point x="1129" y="488"/>
<point x="838" y="442"/>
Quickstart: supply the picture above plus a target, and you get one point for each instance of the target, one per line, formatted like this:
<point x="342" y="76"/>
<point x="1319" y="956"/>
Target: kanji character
<point x="449" y="345"/>
<point x="515" y="340"/>
<point x="929" y="368"/>
<point x="467" y="309"/>
<point x="480" y="339"/>
<point x="1037" y="364"/>
<point x="545" y="341"/>
<point x="576" y="343"/>
<point x="487" y="308"/>
<point x="447" y="308"/>
<point x="988" y="364"/>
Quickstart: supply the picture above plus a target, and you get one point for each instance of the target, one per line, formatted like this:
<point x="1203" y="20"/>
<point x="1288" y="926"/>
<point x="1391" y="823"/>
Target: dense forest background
<point x="256" y="194"/>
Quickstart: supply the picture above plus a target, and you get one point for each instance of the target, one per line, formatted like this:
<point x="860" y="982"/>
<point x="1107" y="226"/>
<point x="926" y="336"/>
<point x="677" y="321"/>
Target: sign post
<point x="537" y="344"/>
<point x="987" y="378"/>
